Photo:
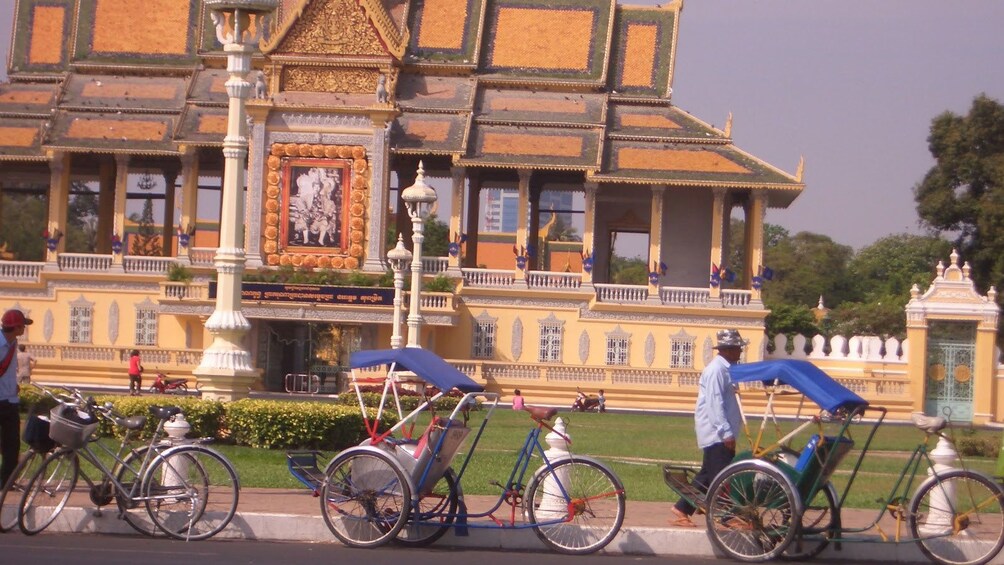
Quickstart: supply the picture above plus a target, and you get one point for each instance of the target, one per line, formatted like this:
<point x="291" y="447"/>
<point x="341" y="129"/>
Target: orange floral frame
<point x="284" y="157"/>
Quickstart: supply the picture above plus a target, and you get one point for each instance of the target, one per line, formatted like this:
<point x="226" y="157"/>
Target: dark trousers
<point x="135" y="382"/>
<point x="716" y="458"/>
<point x="10" y="439"/>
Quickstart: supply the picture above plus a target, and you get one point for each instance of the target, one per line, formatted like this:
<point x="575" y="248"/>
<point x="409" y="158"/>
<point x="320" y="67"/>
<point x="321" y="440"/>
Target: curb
<point x="629" y="541"/>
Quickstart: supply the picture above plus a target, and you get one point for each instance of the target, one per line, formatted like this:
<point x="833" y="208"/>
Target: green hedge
<point x="272" y="424"/>
<point x="297" y="425"/>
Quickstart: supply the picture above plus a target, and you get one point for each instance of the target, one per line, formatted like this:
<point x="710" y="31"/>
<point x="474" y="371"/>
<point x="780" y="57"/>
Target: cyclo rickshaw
<point x="401" y="486"/>
<point x="777" y="502"/>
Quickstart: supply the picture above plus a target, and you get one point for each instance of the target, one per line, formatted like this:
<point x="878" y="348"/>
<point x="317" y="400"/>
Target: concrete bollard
<point x="176" y="468"/>
<point x="939" y="517"/>
<point x="553" y="505"/>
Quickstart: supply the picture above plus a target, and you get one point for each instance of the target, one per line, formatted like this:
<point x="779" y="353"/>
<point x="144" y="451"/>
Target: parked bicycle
<point x="36" y="436"/>
<point x="188" y="491"/>
<point x="396" y="487"/>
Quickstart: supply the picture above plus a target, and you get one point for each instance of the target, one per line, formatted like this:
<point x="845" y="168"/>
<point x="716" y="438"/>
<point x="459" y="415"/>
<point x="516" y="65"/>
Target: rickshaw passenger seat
<point x="814" y="456"/>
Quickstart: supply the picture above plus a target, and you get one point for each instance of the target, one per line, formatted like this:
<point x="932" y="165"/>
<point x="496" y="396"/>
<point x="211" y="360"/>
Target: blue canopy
<point x="427" y="365"/>
<point x="803" y="377"/>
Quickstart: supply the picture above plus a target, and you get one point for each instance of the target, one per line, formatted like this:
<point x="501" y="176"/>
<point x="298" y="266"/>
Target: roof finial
<point x="728" y="125"/>
<point x="820" y="306"/>
<point x="801" y="169"/>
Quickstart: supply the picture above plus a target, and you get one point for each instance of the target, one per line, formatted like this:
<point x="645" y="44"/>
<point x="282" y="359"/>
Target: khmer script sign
<point x="313" y="294"/>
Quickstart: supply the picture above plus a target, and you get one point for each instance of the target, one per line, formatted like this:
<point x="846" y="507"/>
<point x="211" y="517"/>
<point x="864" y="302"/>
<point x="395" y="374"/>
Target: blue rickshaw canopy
<point x="425" y="364"/>
<point x="802" y="376"/>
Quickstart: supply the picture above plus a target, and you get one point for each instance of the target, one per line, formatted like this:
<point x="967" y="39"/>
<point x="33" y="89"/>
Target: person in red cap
<point x="13" y="323"/>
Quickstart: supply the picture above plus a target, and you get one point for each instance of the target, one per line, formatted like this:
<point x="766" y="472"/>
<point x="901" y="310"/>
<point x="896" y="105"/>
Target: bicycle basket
<point x="70" y="427"/>
<point x="36" y="433"/>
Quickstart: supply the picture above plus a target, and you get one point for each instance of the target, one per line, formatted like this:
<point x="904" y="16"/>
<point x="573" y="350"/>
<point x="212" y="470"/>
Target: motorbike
<point x="585" y="403"/>
<point x="164" y="385"/>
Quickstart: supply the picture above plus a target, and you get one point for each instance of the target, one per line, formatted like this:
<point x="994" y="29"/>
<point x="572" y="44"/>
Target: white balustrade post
<point x="940" y="517"/>
<point x="553" y="505"/>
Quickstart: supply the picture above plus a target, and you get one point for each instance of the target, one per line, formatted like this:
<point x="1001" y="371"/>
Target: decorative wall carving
<point x="649" y="350"/>
<point x="320" y="79"/>
<point x="517" y="339"/>
<point x="353" y="252"/>
<point x="113" y="321"/>
<point x="334" y="27"/>
<point x="583" y="346"/>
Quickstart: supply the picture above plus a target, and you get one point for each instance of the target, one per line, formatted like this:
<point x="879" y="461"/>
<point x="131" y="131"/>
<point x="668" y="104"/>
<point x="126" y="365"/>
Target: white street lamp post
<point x="419" y="199"/>
<point x="226" y="370"/>
<point x="399" y="257"/>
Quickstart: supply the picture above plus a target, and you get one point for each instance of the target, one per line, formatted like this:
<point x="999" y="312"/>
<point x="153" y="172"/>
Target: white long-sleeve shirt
<point x="717" y="416"/>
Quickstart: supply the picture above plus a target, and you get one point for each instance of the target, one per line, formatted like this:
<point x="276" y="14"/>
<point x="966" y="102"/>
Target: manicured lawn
<point x="634" y="445"/>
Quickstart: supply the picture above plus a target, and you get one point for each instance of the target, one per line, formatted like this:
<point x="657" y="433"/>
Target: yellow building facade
<point x="106" y="113"/>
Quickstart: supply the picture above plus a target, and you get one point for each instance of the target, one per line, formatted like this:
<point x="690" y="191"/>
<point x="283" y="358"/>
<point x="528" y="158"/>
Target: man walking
<point x="13" y="323"/>
<point x="25" y="364"/>
<point x="717" y="419"/>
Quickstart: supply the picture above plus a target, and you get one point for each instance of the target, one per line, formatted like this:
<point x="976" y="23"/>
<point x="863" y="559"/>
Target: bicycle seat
<point x="132" y="422"/>
<point x="929" y="424"/>
<point x="164" y="412"/>
<point x="541" y="412"/>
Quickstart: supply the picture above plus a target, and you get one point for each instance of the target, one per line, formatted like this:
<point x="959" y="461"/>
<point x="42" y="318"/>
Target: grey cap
<point x="730" y="338"/>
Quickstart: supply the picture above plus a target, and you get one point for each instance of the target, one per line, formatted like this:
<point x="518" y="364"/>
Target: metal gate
<point x="949" y="374"/>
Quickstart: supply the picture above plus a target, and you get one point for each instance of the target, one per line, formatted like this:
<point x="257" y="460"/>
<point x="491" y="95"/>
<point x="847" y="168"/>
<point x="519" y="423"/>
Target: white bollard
<point x="553" y="505"/>
<point x="939" y="517"/>
<point x="176" y="468"/>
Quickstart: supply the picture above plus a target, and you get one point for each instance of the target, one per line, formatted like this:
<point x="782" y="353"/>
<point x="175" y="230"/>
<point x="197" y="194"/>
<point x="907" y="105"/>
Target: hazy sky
<point x="851" y="85"/>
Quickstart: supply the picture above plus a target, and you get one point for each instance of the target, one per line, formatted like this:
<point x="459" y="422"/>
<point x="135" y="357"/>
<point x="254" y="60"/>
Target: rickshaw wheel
<point x="957" y="518"/>
<point x="588" y="518"/>
<point x="753" y="511"/>
<point x="436" y="511"/>
<point x="365" y="498"/>
<point x="820" y="521"/>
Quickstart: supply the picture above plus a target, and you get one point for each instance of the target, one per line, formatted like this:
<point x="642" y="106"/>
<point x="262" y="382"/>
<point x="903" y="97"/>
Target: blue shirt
<point x="717" y="416"/>
<point x="8" y="381"/>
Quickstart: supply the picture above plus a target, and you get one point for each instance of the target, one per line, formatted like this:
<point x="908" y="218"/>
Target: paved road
<point x="59" y="549"/>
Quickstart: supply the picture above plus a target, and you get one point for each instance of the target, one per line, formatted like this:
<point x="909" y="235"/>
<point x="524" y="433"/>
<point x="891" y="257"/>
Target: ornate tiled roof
<point x="559" y="39"/>
<point x="422" y="92"/>
<point x="41" y="40"/>
<point x="532" y="147"/>
<point x="526" y="106"/>
<point x="21" y="138"/>
<point x="430" y="133"/>
<point x="446" y="31"/>
<point x="21" y="99"/>
<point x="676" y="163"/>
<point x="111" y="132"/>
<point x="659" y="121"/>
<point x="124" y="93"/>
<point x="202" y="125"/>
<point x="115" y="32"/>
<point x="358" y="28"/>
<point x="644" y="42"/>
<point x="209" y="87"/>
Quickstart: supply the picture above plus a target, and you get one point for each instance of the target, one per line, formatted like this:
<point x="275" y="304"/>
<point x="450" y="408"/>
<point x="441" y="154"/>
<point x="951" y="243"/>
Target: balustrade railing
<point x="183" y="291"/>
<point x="202" y="256"/>
<point x="548" y="280"/>
<point x="489" y="278"/>
<point x="621" y="293"/>
<point x="84" y="262"/>
<point x="21" y="271"/>
<point x="736" y="298"/>
<point x="434" y="265"/>
<point x="79" y="352"/>
<point x="147" y="265"/>
<point x="682" y="296"/>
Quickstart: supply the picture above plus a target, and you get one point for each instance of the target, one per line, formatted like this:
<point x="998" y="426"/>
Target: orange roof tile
<point x="81" y="128"/>
<point x="541" y="38"/>
<point x="676" y="160"/>
<point x="18" y="136"/>
<point x="640" y="57"/>
<point x="212" y="124"/>
<point x="450" y="17"/>
<point x="26" y="97"/>
<point x="527" y="144"/>
<point x="141" y="88"/>
<point x="648" y="121"/>
<point x="47" y="35"/>
<point x="527" y="104"/>
<point x="119" y="27"/>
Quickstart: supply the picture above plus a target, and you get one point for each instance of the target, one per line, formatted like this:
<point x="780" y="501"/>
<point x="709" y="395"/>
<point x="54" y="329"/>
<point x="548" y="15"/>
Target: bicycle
<point x="188" y="491"/>
<point x="399" y="489"/>
<point x="36" y="436"/>
<point x="765" y="505"/>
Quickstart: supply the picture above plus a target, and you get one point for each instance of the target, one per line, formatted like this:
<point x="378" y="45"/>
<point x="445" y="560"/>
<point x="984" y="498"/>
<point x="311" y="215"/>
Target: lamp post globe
<point x="419" y="199"/>
<point x="399" y="257"/>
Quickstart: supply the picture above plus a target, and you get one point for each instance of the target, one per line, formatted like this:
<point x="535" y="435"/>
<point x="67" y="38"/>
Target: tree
<point x="146" y="240"/>
<point x="628" y="271"/>
<point x="886" y="269"/>
<point x="21" y="225"/>
<point x="791" y="319"/>
<point x="963" y="193"/>
<point x="807" y="266"/>
<point x="82" y="219"/>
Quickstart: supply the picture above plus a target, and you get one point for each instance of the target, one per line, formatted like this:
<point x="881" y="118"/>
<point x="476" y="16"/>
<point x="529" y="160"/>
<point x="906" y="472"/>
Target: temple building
<point x="556" y="111"/>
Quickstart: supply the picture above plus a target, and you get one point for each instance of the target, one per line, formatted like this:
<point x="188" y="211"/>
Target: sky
<point x="850" y="85"/>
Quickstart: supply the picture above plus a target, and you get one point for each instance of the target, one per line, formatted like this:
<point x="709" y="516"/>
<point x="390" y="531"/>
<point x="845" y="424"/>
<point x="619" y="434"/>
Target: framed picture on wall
<point x="316" y="197"/>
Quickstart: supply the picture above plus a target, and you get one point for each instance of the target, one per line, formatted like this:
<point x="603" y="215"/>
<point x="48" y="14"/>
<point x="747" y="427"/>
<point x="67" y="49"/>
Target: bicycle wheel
<point x="820" y="522"/>
<point x="10" y="496"/>
<point x="576" y="506"/>
<point x="958" y="518"/>
<point x="753" y="511"/>
<point x="431" y="518"/>
<point x="47" y="491"/>
<point x="180" y="389"/>
<point x="132" y="508"/>
<point x="365" y="498"/>
<point x="191" y="492"/>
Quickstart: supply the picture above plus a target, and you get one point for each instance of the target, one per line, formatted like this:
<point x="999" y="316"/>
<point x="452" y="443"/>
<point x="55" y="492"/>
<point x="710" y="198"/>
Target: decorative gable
<point x="330" y="27"/>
